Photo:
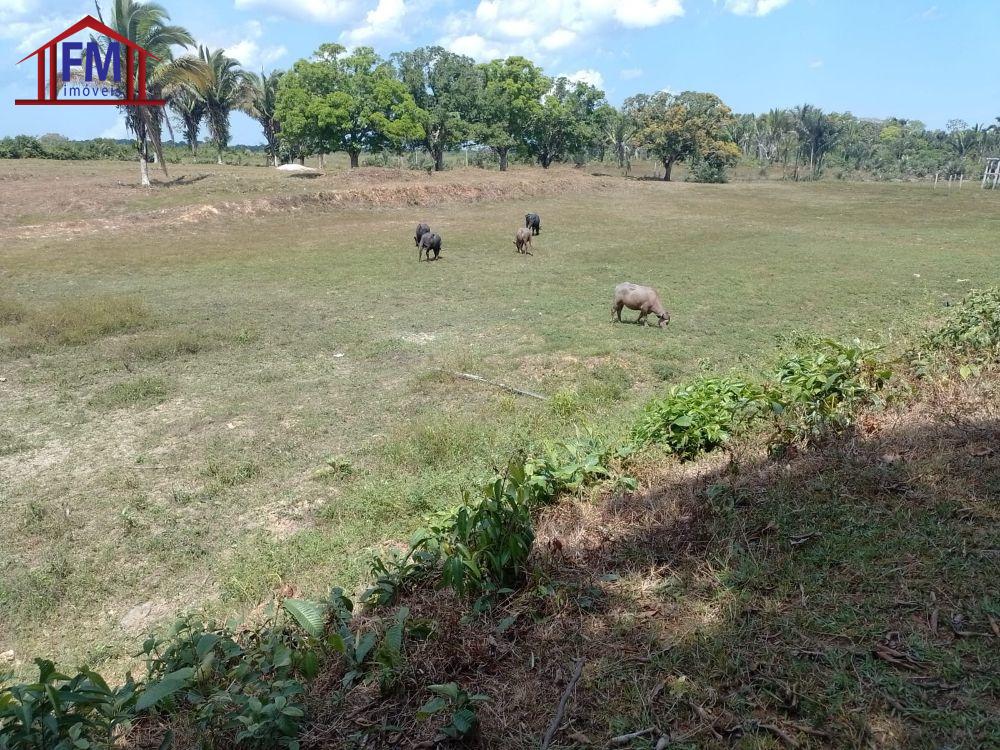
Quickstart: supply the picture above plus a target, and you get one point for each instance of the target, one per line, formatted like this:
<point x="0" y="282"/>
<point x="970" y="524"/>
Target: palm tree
<point x="259" y="103"/>
<point x="619" y="133"/>
<point x="146" y="25"/>
<point x="190" y="110"/>
<point x="223" y="91"/>
<point x="818" y="134"/>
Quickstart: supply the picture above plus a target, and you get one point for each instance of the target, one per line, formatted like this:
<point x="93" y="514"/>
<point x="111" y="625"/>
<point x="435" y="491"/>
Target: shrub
<point x="699" y="417"/>
<point x="248" y="688"/>
<point x="63" y="712"/>
<point x="972" y="331"/>
<point x="481" y="548"/>
<point x="820" y="388"/>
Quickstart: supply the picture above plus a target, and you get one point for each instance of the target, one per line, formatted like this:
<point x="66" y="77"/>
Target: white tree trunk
<point x="144" y="171"/>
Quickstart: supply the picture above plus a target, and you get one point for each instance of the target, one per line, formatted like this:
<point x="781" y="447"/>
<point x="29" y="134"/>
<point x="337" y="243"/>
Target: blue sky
<point x="931" y="60"/>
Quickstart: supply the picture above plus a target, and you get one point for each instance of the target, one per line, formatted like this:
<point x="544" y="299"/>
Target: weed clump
<point x="699" y="417"/>
<point x="142" y="391"/>
<point x="81" y="321"/>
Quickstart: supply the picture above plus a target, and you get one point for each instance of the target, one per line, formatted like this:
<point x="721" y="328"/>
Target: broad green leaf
<point x="310" y="615"/>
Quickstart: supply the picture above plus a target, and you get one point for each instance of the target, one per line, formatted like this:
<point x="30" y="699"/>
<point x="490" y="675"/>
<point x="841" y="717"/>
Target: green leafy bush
<point x="62" y="712"/>
<point x="699" y="417"/>
<point x="248" y="688"/>
<point x="821" y="387"/>
<point x="481" y="548"/>
<point x="972" y="331"/>
<point x="463" y="721"/>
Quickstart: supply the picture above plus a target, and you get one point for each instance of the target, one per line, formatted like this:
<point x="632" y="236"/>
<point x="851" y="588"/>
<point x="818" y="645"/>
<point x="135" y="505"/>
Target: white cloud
<point x="476" y="47"/>
<point x="384" y="20"/>
<point x="32" y="34"/>
<point x="558" y="39"/>
<point x="646" y="13"/>
<point x="527" y="27"/>
<point x="754" y="7"/>
<point x="116" y="131"/>
<point x="322" y="11"/>
<point x="816" y="64"/>
<point x="252" y="56"/>
<point x="587" y="75"/>
<point x="629" y="73"/>
<point x="245" y="44"/>
<point x="12" y="9"/>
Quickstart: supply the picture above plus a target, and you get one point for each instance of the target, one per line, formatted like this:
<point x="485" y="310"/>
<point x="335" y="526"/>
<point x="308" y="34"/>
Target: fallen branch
<point x="780" y="733"/>
<point x="557" y="719"/>
<point x="502" y="386"/>
<point x="624" y="739"/>
<point x="704" y="716"/>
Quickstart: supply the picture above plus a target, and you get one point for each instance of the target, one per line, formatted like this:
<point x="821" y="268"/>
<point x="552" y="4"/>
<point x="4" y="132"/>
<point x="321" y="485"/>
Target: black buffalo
<point x="534" y="223"/>
<point x="422" y="229"/>
<point x="428" y="242"/>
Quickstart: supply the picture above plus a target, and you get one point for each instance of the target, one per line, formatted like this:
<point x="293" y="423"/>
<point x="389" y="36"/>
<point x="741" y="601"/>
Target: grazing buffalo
<point x="534" y="223"/>
<point x="522" y="240"/>
<point x="645" y="299"/>
<point x="422" y="229"/>
<point x="428" y="242"/>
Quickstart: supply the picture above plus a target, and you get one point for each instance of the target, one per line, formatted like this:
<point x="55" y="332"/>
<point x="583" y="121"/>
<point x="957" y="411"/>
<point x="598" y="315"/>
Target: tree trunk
<point x="143" y="170"/>
<point x="141" y="146"/>
<point x="354" y="159"/>
<point x="439" y="159"/>
<point x="668" y="165"/>
<point x="502" y="153"/>
<point x="322" y="160"/>
<point x="302" y="160"/>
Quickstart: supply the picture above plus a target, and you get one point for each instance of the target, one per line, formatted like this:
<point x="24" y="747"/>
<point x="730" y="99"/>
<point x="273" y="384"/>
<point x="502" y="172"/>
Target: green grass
<point x="142" y="391"/>
<point x="268" y="343"/>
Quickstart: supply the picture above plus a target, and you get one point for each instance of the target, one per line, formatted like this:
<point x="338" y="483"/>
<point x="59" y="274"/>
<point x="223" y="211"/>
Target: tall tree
<point x="146" y="25"/>
<point x="446" y="87"/>
<point x="190" y="110"/>
<point x="511" y="98"/>
<point x="818" y="134"/>
<point x="690" y="125"/>
<point x="223" y="91"/>
<point x="565" y="123"/>
<point x="260" y="103"/>
<point x="345" y="102"/>
<point x="618" y="130"/>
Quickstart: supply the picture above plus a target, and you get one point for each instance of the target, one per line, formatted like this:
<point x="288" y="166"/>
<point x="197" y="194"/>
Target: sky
<point x="930" y="60"/>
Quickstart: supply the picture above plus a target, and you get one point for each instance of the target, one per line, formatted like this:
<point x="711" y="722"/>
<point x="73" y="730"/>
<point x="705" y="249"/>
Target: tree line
<point x="432" y="100"/>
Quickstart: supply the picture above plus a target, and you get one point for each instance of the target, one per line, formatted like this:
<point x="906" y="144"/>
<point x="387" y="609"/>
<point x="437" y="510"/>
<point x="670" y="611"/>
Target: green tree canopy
<point x="687" y="126"/>
<point x="566" y="123"/>
<point x="446" y="87"/>
<point x="511" y="99"/>
<point x="345" y="102"/>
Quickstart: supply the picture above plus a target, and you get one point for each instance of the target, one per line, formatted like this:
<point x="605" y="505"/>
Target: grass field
<point x="240" y="381"/>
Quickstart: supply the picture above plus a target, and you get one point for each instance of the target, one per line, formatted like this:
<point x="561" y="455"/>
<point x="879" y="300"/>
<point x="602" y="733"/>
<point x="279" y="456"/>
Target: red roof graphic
<point x="88" y="22"/>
